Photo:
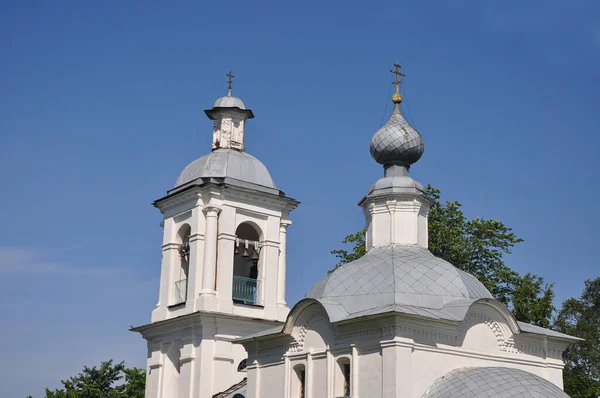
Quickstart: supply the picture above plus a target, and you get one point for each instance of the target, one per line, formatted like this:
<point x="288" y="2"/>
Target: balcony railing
<point x="245" y="289"/>
<point x="181" y="291"/>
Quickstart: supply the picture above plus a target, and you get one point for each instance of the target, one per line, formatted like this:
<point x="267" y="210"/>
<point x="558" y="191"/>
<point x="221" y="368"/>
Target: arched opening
<point x="298" y="384"/>
<point x="181" y="275"/>
<point x="242" y="365"/>
<point x="245" y="265"/>
<point x="342" y="377"/>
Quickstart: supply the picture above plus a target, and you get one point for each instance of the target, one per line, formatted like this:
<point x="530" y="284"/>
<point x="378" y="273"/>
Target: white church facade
<point x="398" y="322"/>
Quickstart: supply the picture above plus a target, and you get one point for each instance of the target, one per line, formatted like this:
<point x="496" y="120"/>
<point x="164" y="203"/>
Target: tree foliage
<point x="532" y="300"/>
<point x="107" y="381"/>
<point x="580" y="317"/>
<point x="476" y="246"/>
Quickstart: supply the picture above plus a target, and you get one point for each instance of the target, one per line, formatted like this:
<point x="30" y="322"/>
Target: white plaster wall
<point x="271" y="381"/>
<point x="318" y="378"/>
<point x="370" y="371"/>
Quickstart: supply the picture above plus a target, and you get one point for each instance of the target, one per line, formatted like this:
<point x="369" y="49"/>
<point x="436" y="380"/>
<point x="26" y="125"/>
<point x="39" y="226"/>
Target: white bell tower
<point x="223" y="264"/>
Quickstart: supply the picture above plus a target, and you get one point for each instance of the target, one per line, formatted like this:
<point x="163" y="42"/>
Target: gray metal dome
<point x="227" y="163"/>
<point x="397" y="275"/>
<point x="492" y="382"/>
<point x="397" y="142"/>
<point x="229" y="101"/>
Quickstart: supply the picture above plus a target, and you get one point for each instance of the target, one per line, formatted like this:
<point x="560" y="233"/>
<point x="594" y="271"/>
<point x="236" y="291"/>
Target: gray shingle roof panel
<point x="407" y="276"/>
<point x="492" y="382"/>
<point x="227" y="163"/>
<point x="527" y="328"/>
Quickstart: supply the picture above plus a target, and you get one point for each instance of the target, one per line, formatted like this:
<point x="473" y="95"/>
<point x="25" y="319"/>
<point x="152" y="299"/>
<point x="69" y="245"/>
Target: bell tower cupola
<point x="229" y="114"/>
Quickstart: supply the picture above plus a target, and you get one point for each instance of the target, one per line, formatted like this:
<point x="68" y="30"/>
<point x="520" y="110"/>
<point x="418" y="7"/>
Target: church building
<point x="398" y="322"/>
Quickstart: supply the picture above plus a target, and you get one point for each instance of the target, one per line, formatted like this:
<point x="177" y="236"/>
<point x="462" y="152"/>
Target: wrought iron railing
<point x="181" y="291"/>
<point x="245" y="289"/>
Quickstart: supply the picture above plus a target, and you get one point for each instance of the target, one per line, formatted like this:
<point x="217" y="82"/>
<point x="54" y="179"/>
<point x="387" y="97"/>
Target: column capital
<point x="211" y="211"/>
<point x="284" y="224"/>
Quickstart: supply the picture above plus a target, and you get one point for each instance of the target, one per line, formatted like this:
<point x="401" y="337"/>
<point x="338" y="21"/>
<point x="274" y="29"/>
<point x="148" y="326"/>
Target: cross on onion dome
<point x="397" y="97"/>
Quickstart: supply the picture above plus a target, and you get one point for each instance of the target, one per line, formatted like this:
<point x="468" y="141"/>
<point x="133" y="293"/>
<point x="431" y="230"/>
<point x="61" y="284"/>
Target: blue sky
<point x="101" y="108"/>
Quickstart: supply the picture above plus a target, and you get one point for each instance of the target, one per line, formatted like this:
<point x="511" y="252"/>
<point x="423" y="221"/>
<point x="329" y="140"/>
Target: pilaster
<point x="208" y="292"/>
<point x="281" y="272"/>
<point x="226" y="246"/>
<point x="397" y="367"/>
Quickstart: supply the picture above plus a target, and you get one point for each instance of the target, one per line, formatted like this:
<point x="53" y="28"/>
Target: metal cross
<point x="230" y="80"/>
<point x="397" y="72"/>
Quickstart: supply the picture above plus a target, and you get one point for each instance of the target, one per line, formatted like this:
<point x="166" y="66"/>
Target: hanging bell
<point x="245" y="253"/>
<point x="254" y="255"/>
<point x="237" y="250"/>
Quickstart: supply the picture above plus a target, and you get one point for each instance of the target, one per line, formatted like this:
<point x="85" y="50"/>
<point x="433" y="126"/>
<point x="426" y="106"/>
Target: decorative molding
<point x="170" y="246"/>
<point x="224" y="359"/>
<point x="196" y="236"/>
<point x="410" y="332"/>
<point x="476" y="318"/>
<point x="186" y="359"/>
<point x="226" y="236"/>
<point x="211" y="211"/>
<point x="269" y="243"/>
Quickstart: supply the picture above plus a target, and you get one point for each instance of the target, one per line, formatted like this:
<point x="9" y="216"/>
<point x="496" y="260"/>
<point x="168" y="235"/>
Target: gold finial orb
<point x="397" y="97"/>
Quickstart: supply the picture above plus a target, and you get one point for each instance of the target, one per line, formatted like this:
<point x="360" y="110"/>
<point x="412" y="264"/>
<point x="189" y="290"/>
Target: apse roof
<point x="492" y="382"/>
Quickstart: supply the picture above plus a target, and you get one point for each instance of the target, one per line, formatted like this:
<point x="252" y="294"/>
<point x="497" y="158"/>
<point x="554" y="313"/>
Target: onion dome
<point x="397" y="142"/>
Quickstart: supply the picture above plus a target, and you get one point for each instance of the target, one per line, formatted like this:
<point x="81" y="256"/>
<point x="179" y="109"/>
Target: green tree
<point x="580" y="317"/>
<point x="532" y="300"/>
<point x="478" y="247"/>
<point x="107" y="381"/>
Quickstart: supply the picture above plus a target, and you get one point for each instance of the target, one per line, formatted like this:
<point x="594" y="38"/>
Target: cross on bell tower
<point x="229" y="82"/>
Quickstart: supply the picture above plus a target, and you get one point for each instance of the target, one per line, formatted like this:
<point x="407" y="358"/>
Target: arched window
<point x="242" y="365"/>
<point x="245" y="265"/>
<point x="299" y="383"/>
<point x="181" y="275"/>
<point x="343" y="378"/>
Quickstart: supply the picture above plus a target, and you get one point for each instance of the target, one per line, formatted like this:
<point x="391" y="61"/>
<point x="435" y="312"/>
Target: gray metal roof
<point x="229" y="101"/>
<point x="492" y="382"/>
<point x="405" y="276"/>
<point x="231" y="392"/>
<point x="397" y="142"/>
<point x="527" y="328"/>
<point x="227" y="163"/>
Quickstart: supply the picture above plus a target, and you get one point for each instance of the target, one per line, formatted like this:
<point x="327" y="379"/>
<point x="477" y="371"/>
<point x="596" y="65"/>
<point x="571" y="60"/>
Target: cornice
<point x="170" y="201"/>
<point x="197" y="319"/>
<point x="261" y="199"/>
